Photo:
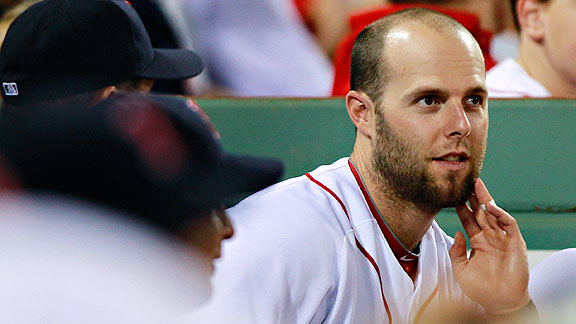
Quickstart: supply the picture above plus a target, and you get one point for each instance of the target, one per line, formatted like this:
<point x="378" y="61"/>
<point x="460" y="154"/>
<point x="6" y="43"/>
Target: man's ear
<point x="361" y="111"/>
<point x="531" y="18"/>
<point x="109" y="91"/>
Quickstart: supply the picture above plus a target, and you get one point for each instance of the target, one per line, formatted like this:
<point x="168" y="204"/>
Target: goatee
<point x="403" y="173"/>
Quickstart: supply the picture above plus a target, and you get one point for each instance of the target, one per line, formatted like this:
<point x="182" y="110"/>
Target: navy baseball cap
<point x="155" y="157"/>
<point x="60" y="48"/>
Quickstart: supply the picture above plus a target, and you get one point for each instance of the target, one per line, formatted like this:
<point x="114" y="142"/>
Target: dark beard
<point x="403" y="174"/>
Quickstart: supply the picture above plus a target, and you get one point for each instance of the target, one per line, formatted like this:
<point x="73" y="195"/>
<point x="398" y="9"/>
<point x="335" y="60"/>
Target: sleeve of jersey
<point x="282" y="265"/>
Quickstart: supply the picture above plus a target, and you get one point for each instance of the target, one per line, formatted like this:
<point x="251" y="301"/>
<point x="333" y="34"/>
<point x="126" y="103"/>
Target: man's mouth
<point x="452" y="158"/>
<point x="452" y="161"/>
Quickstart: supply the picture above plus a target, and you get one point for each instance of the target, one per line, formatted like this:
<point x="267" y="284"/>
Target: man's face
<point x="206" y="233"/>
<point x="560" y="37"/>
<point x="432" y="122"/>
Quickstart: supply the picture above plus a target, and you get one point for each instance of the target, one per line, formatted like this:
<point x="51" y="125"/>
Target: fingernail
<point x="491" y="202"/>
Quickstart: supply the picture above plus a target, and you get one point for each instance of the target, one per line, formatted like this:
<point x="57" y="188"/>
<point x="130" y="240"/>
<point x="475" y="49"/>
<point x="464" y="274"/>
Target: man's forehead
<point x="439" y="76"/>
<point x="414" y="46"/>
<point x="421" y="59"/>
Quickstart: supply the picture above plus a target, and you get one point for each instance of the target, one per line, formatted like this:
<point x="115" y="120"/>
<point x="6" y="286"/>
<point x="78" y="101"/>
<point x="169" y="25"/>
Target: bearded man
<point x="356" y="241"/>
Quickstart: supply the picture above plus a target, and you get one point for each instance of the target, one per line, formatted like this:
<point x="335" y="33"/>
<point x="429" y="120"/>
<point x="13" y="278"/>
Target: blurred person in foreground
<point x="553" y="287"/>
<point x="151" y="162"/>
<point x="68" y="261"/>
<point x="545" y="66"/>
<point x="78" y="52"/>
<point x="356" y="241"/>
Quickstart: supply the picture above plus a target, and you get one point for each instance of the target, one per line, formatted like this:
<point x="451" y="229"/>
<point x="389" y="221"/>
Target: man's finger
<point x="481" y="218"/>
<point x="481" y="192"/>
<point x="482" y="197"/>
<point x="506" y="221"/>
<point x="493" y="221"/>
<point x="467" y="219"/>
<point x="474" y="204"/>
<point x="457" y="253"/>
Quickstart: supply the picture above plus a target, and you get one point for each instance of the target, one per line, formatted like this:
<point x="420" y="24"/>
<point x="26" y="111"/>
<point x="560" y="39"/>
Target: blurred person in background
<point x="257" y="48"/>
<point x="496" y="17"/>
<point x="148" y="173"/>
<point x="545" y="65"/>
<point x="167" y="29"/>
<point x="78" y="52"/>
<point x="553" y="287"/>
<point x="328" y="19"/>
<point x="358" y="20"/>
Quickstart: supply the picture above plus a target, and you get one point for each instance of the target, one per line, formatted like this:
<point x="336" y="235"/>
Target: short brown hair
<point x="369" y="71"/>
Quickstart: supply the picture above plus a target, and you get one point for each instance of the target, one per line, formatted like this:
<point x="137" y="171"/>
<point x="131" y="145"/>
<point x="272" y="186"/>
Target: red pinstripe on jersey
<point x="411" y="267"/>
<point x="397" y="248"/>
<point x="360" y="247"/>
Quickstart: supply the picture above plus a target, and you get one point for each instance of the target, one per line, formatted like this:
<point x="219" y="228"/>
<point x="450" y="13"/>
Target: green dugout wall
<point x="530" y="166"/>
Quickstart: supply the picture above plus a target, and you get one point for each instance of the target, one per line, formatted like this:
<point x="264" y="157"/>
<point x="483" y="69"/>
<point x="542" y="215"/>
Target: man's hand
<point x="496" y="275"/>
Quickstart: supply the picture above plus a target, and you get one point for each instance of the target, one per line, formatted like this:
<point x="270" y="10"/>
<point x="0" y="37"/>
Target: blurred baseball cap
<point x="60" y="48"/>
<point x="155" y="157"/>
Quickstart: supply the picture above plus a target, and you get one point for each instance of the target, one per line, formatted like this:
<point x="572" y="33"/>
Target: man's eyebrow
<point x="477" y="91"/>
<point x="426" y="91"/>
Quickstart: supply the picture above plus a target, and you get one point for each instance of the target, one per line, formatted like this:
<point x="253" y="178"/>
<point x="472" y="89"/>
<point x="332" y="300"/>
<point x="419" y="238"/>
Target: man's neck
<point x="535" y="62"/>
<point x="408" y="222"/>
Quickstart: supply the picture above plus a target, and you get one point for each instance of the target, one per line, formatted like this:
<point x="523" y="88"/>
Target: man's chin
<point x="450" y="195"/>
<point x="459" y="195"/>
<point x="437" y="206"/>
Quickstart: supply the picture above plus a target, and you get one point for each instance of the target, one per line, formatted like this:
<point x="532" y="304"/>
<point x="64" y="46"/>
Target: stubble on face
<point x="403" y="174"/>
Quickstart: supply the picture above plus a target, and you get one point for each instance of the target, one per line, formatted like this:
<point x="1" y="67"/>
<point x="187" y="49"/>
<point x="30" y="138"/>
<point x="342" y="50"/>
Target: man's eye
<point x="428" y="101"/>
<point x="474" y="100"/>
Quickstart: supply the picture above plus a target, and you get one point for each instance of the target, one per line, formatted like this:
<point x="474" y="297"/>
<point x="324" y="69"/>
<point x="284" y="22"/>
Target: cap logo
<point x="10" y="88"/>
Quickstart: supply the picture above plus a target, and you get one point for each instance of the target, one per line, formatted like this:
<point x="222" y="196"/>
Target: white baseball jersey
<point x="509" y="80"/>
<point x="313" y="249"/>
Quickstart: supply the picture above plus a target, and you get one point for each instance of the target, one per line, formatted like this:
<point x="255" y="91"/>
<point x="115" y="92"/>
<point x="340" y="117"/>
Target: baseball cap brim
<point x="236" y="175"/>
<point x="173" y="64"/>
<point x="243" y="174"/>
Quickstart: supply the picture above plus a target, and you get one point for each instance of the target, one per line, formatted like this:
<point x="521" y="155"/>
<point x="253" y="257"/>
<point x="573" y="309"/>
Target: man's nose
<point x="226" y="229"/>
<point x="455" y="121"/>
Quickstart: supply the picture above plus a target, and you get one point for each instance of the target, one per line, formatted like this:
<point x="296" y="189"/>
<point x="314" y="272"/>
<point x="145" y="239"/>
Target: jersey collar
<point x="407" y="259"/>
